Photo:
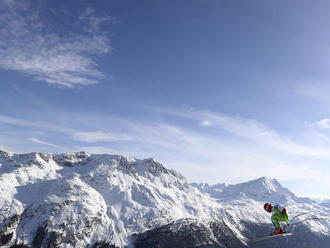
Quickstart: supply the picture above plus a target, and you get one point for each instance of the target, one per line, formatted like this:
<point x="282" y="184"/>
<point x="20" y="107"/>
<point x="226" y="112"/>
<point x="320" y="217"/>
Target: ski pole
<point x="299" y="215"/>
<point x="315" y="218"/>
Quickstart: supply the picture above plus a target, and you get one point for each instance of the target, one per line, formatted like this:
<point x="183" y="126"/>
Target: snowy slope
<point x="81" y="200"/>
<point x="85" y="198"/>
<point x="326" y="203"/>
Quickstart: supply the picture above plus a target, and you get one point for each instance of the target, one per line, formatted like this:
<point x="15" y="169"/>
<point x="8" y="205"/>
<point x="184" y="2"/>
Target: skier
<point x="279" y="215"/>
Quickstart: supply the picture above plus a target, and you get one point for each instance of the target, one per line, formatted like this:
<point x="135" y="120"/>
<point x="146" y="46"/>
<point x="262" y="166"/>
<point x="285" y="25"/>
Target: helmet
<point x="268" y="207"/>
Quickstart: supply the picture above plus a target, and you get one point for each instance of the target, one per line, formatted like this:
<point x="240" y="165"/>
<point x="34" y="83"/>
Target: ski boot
<point x="277" y="231"/>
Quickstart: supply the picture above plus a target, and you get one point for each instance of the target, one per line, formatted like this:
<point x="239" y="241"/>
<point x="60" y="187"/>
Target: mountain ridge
<point x="82" y="199"/>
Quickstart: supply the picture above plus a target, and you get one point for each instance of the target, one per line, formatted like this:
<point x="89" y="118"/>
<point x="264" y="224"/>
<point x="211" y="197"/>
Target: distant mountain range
<point x="88" y="200"/>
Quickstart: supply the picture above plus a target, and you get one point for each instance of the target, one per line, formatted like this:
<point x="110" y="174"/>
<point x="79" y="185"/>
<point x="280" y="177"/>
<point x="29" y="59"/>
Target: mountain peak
<point x="267" y="183"/>
<point x="260" y="189"/>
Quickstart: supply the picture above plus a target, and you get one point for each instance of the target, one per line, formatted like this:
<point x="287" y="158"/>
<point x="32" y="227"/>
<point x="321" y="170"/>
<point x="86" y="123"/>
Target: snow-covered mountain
<point x="86" y="200"/>
<point x="326" y="203"/>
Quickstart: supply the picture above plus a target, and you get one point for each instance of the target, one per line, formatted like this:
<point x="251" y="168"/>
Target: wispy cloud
<point x="163" y="136"/>
<point x="34" y="124"/>
<point x="101" y="136"/>
<point x="173" y="137"/>
<point x="319" y="130"/>
<point x="251" y="130"/>
<point x="93" y="22"/>
<point x="314" y="90"/>
<point x="30" y="45"/>
<point x="38" y="141"/>
<point x="321" y="124"/>
<point x="205" y="123"/>
<point x="213" y="158"/>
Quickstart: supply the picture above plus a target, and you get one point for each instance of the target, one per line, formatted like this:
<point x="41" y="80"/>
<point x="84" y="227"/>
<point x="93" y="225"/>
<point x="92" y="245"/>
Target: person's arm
<point x="286" y="217"/>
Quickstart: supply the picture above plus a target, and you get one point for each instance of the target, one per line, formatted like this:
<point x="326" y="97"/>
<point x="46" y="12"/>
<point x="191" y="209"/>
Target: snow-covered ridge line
<point x="93" y="197"/>
<point x="81" y="199"/>
<point x="81" y="158"/>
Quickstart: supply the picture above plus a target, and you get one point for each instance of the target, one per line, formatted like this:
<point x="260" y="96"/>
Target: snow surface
<point x="89" y="198"/>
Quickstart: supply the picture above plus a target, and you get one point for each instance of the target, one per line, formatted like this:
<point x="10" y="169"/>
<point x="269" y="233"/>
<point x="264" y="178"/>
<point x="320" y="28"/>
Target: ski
<point x="272" y="236"/>
<point x="279" y="235"/>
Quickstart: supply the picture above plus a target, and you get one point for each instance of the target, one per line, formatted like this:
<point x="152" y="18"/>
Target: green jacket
<point x="279" y="215"/>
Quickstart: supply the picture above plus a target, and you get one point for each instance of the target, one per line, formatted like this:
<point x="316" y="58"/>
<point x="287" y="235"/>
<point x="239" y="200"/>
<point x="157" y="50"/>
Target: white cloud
<point x="319" y="131"/>
<point x="206" y="123"/>
<point x="30" y="45"/>
<point x="322" y="124"/>
<point x="152" y="135"/>
<point x="251" y="130"/>
<point x="177" y="138"/>
<point x="38" y="141"/>
<point x="14" y="121"/>
<point x="94" y="23"/>
<point x="33" y="124"/>
<point x="313" y="90"/>
<point x="100" y="136"/>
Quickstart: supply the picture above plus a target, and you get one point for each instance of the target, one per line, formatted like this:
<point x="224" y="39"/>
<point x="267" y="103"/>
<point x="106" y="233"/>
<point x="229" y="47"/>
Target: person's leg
<point x="275" y="221"/>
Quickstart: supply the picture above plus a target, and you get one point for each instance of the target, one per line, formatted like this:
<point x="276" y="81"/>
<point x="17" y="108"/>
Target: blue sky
<point x="222" y="91"/>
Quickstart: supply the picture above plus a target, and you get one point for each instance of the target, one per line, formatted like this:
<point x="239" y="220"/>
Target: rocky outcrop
<point x="190" y="233"/>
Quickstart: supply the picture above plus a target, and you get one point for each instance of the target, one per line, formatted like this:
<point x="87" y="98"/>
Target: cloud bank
<point x="222" y="149"/>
